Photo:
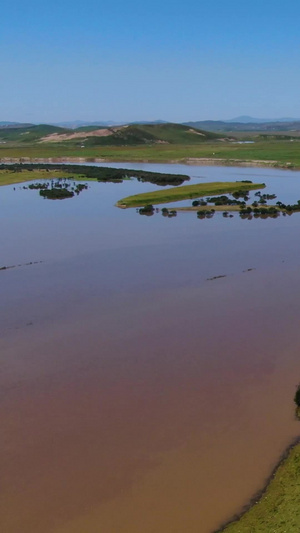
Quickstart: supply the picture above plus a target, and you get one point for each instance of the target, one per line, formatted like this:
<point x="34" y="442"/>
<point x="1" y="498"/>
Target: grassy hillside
<point x="139" y="134"/>
<point x="126" y="136"/>
<point x="28" y="134"/>
<point x="177" y="133"/>
<point x="130" y="135"/>
<point x="88" y="128"/>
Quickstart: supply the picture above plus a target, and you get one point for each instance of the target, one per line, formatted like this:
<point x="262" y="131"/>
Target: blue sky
<point x="134" y="60"/>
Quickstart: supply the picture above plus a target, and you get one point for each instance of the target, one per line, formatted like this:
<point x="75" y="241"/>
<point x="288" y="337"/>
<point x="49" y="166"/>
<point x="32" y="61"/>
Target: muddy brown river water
<point x="136" y="395"/>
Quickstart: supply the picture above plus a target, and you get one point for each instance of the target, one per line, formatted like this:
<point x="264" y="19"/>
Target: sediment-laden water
<point x="136" y="394"/>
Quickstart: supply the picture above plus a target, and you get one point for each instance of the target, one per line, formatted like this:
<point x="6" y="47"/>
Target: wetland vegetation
<point x="58" y="189"/>
<point x="17" y="173"/>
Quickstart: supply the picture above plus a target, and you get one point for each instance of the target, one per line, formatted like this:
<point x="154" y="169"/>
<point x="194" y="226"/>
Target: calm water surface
<point x="136" y="394"/>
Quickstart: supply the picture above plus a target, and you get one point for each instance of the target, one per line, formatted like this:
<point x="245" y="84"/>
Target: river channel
<point x="148" y="364"/>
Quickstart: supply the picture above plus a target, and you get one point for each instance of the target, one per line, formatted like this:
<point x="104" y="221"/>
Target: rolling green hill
<point x="28" y="134"/>
<point x="137" y="134"/>
<point x="128" y="135"/>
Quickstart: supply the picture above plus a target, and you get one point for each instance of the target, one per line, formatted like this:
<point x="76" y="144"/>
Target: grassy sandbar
<point x="174" y="194"/>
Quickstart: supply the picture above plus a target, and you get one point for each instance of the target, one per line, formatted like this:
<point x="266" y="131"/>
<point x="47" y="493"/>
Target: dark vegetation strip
<point x="107" y="174"/>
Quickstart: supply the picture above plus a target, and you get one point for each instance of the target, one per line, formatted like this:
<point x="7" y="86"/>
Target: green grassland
<point x="185" y="192"/>
<point x="278" y="509"/>
<point x="272" y="153"/>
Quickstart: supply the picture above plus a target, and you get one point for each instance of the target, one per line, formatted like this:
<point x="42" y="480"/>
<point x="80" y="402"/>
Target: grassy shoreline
<point x="185" y="192"/>
<point x="276" y="507"/>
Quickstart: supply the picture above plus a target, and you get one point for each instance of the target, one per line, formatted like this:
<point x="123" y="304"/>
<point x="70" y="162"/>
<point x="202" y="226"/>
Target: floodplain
<point x="148" y="364"/>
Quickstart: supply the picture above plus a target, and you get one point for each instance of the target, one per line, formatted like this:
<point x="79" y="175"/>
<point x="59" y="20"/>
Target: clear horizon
<point x="128" y="62"/>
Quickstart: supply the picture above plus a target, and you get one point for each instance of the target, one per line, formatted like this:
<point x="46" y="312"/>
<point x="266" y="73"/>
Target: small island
<point x="175" y="194"/>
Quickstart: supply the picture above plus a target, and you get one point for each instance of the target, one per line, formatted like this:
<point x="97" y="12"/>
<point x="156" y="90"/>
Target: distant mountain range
<point x="4" y="124"/>
<point x="24" y="132"/>
<point x="74" y="124"/>
<point x="245" y="119"/>
<point x="280" y="125"/>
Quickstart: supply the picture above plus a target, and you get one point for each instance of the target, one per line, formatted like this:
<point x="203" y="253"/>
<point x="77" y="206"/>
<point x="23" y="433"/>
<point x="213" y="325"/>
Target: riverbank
<point x="276" y="506"/>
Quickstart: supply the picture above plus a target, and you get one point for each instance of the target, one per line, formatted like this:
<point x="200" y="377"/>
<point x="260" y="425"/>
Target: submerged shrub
<point x="205" y="213"/>
<point x="297" y="396"/>
<point x="56" y="193"/>
<point x="148" y="210"/>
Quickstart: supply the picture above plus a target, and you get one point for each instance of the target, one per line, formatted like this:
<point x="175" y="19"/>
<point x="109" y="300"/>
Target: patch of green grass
<point x="164" y="196"/>
<point x="278" y="509"/>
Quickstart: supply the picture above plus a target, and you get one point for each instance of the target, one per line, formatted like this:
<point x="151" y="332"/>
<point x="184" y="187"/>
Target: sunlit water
<point x="137" y="395"/>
